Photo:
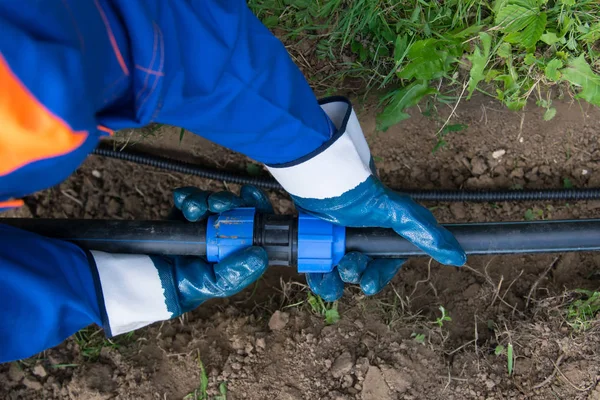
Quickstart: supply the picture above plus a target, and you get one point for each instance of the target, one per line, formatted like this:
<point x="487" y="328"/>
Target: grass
<point x="328" y="310"/>
<point x="91" y="341"/>
<point x="582" y="312"/>
<point x="201" y="392"/>
<point x="444" y="318"/>
<point x="410" y="50"/>
<point x="500" y="350"/>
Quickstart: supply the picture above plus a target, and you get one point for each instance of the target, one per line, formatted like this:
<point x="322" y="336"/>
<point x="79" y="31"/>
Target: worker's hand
<point x="371" y="204"/>
<point x="197" y="280"/>
<point x="356" y="268"/>
<point x="338" y="183"/>
<point x="136" y="289"/>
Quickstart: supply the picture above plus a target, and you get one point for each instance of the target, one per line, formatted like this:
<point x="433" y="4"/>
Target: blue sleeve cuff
<point x="47" y="293"/>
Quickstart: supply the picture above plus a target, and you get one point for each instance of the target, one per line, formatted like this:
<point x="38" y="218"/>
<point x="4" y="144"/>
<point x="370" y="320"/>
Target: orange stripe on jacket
<point x="29" y="131"/>
<point x="11" y="204"/>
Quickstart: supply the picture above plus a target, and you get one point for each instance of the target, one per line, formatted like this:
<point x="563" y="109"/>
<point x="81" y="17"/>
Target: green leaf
<point x="429" y="59"/>
<point x="514" y="18"/>
<point x="579" y="73"/>
<point x="549" y="114"/>
<point x="505" y="50"/>
<point x="516" y="104"/>
<point x="552" y="70"/>
<point x="181" y="134"/>
<point x="400" y="48"/>
<point x="467" y="32"/>
<point x="499" y="350"/>
<point x="479" y="60"/>
<point x="271" y="22"/>
<point x="529" y="36"/>
<point x="522" y="21"/>
<point x="404" y="98"/>
<point x="454" y="128"/>
<point x="253" y="169"/>
<point x="511" y="360"/>
<point x="567" y="183"/>
<point x="550" y="38"/>
<point x="529" y="59"/>
<point x="332" y="316"/>
<point x="419" y="337"/>
<point x="593" y="35"/>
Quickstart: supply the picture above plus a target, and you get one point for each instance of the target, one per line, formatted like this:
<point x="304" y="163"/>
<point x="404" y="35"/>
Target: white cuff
<point x="132" y="290"/>
<point x="336" y="167"/>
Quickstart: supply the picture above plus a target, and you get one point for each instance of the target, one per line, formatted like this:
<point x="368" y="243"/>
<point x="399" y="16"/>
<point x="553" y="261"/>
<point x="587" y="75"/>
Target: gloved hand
<point x="139" y="289"/>
<point x="338" y="183"/>
<point x="197" y="280"/>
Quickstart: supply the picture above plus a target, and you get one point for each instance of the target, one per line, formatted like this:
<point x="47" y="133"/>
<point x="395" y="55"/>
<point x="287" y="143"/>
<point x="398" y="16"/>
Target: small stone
<point x="584" y="172"/>
<point x="261" y="343"/>
<point x="32" y="384"/>
<point x="396" y="380"/>
<point x="545" y="170"/>
<point x="490" y="384"/>
<point x="347" y="381"/>
<point x="290" y="393"/>
<point x="15" y="373"/>
<point x="498" y="153"/>
<point x="471" y="291"/>
<point x="236" y="366"/>
<point x="40" y="371"/>
<point x="342" y="364"/>
<point x="458" y="211"/>
<point x="517" y="173"/>
<point x="362" y="365"/>
<point x="279" y="320"/>
<point x="96" y="173"/>
<point x="359" y="324"/>
<point x="478" y="166"/>
<point x="374" y="386"/>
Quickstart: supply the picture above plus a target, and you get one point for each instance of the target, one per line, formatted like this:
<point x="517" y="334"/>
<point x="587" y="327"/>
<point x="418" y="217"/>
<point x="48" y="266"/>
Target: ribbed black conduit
<point x="422" y="195"/>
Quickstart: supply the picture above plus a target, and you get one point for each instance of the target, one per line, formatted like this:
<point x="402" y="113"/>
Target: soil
<point x="267" y="342"/>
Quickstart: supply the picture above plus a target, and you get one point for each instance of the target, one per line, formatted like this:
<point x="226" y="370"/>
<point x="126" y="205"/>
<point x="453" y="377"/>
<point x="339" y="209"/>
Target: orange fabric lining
<point x="29" y="131"/>
<point x="112" y="39"/>
<point x="105" y="129"/>
<point x="11" y="204"/>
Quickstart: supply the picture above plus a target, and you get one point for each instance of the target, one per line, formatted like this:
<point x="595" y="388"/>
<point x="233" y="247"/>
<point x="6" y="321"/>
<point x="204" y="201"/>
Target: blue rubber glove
<point x="197" y="280"/>
<point x="338" y="183"/>
<point x="136" y="290"/>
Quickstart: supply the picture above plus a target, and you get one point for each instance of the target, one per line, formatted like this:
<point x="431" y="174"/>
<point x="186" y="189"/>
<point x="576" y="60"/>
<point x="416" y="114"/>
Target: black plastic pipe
<point x="181" y="238"/>
<point x="183" y="167"/>
<point x="490" y="196"/>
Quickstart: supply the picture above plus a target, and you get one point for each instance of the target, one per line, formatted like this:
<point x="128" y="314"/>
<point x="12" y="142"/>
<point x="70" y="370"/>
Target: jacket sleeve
<point x="72" y="71"/>
<point x="47" y="293"/>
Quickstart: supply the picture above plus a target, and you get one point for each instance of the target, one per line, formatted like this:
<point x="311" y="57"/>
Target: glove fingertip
<point x="327" y="286"/>
<point x="352" y="266"/>
<point x="378" y="274"/>
<point x="450" y="252"/>
<point x="258" y="256"/>
<point x="180" y="194"/>
<point x="255" y="197"/>
<point x="223" y="201"/>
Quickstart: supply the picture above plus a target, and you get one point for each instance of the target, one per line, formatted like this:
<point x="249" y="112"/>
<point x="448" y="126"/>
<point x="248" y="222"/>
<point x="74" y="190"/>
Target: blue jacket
<point x="73" y="71"/>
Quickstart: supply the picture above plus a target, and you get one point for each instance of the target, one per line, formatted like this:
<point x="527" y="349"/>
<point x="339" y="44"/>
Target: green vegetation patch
<point x="411" y="49"/>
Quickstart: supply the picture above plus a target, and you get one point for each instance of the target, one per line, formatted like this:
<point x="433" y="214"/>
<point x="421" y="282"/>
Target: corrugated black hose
<point x="421" y="195"/>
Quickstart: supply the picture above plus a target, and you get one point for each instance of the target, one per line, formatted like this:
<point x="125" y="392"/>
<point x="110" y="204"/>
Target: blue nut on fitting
<point x="228" y="232"/>
<point x="321" y="244"/>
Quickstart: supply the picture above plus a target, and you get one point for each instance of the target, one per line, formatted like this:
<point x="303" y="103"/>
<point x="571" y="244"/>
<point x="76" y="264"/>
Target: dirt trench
<point x="267" y="342"/>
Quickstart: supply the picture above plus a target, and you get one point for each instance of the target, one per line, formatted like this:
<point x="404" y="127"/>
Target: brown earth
<point x="267" y="343"/>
